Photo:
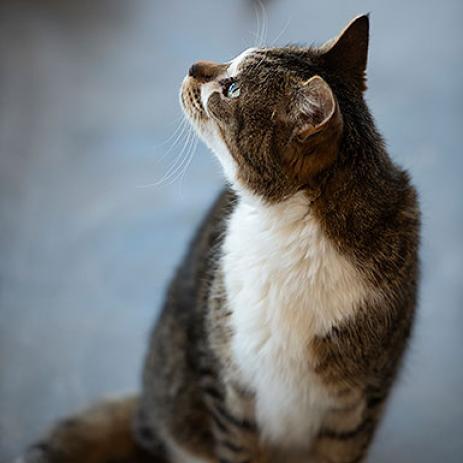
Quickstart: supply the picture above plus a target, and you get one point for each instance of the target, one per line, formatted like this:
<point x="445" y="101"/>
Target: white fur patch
<point x="285" y="283"/>
<point x="235" y="62"/>
<point x="209" y="130"/>
<point x="210" y="135"/>
<point x="207" y="89"/>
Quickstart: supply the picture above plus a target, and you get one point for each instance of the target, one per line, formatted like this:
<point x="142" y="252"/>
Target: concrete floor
<point x="88" y="94"/>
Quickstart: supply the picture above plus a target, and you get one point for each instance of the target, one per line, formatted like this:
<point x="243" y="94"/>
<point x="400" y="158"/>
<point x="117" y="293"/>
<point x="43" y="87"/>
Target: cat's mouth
<point x="190" y="99"/>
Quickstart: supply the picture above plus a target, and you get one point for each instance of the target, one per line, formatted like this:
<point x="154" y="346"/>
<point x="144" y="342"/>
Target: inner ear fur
<point x="318" y="108"/>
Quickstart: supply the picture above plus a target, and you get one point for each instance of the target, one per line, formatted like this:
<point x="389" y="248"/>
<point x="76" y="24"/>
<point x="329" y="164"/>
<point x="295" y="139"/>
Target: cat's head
<point x="273" y="115"/>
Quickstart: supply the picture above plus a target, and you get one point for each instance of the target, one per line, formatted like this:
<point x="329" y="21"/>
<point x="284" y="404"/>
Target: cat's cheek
<point x="219" y="109"/>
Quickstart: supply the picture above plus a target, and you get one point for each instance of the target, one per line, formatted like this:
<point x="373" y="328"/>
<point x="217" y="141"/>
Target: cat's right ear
<point x="347" y="54"/>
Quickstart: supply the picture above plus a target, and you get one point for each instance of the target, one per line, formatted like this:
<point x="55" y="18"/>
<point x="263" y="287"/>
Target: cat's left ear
<point x="317" y="131"/>
<point x="318" y="110"/>
<point x="347" y="54"/>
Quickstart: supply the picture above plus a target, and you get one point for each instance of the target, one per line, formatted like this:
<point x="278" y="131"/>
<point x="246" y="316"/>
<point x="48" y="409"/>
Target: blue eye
<point x="233" y="90"/>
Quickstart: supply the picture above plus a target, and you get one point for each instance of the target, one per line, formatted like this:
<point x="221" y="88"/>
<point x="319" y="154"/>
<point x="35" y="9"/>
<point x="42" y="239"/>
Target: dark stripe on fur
<point x="243" y="424"/>
<point x="346" y="435"/>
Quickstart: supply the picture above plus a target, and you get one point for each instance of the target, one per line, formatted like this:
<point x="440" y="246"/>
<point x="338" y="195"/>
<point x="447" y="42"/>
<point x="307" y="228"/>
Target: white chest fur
<point x="285" y="283"/>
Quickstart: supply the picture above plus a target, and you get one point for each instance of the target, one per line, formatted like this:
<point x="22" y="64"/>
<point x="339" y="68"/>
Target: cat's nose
<point x="206" y="71"/>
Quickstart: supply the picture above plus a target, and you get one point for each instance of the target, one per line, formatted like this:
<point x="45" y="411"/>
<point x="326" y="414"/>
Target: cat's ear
<point x="317" y="109"/>
<point x="347" y="54"/>
<point x="317" y="131"/>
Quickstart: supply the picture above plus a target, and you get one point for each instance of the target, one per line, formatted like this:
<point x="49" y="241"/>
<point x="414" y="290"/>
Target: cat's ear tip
<point x="347" y="54"/>
<point x="361" y="18"/>
<point x="361" y="21"/>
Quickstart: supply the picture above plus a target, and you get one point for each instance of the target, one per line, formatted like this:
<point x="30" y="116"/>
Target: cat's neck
<point x="290" y="211"/>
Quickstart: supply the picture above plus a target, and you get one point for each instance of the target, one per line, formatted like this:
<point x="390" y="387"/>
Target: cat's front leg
<point x="234" y="428"/>
<point x="347" y="430"/>
<point x="235" y="438"/>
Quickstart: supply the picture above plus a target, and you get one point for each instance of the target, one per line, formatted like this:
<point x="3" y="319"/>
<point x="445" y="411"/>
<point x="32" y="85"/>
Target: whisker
<point x="192" y="153"/>
<point x="180" y="133"/>
<point x="264" y="29"/>
<point x="282" y="32"/>
<point x="178" y="163"/>
<point x="258" y="26"/>
<point x="173" y="172"/>
<point x="187" y="129"/>
<point x="186" y="162"/>
<point x="179" y="127"/>
<point x="174" y="122"/>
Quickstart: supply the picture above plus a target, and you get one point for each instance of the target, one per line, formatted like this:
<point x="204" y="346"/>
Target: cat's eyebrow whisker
<point x="257" y="33"/>
<point x="282" y="32"/>
<point x="255" y="40"/>
<point x="264" y="29"/>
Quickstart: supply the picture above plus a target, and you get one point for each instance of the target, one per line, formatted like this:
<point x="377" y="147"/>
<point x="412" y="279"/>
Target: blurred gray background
<point x="88" y="100"/>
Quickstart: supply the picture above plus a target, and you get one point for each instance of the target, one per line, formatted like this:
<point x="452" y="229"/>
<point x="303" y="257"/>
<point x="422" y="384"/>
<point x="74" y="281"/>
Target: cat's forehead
<point x="236" y="64"/>
<point x="255" y="60"/>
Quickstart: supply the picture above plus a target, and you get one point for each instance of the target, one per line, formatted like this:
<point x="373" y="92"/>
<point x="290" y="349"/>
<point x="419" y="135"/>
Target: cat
<point x="285" y="325"/>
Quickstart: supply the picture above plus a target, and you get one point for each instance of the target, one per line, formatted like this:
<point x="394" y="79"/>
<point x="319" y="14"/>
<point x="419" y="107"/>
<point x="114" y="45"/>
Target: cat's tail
<point x="104" y="433"/>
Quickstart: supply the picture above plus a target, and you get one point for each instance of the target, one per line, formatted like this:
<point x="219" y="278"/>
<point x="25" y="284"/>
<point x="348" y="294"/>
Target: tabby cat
<point x="284" y="327"/>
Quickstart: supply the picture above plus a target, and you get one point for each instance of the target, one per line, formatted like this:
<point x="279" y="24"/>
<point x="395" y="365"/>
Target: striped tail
<point x="101" y="434"/>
